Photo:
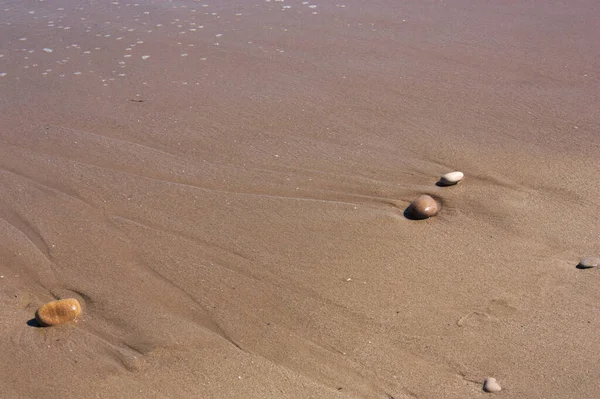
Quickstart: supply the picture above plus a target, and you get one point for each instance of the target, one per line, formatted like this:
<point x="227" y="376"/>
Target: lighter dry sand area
<point x="222" y="187"/>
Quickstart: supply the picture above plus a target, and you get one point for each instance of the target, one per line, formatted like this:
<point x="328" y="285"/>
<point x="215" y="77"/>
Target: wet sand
<point x="222" y="185"/>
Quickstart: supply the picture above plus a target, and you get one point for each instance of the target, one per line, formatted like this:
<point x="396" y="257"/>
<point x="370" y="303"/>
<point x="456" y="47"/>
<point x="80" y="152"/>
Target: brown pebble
<point x="58" y="312"/>
<point x="423" y="207"/>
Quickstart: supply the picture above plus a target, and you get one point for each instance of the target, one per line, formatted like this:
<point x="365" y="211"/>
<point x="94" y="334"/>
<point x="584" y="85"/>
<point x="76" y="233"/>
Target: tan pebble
<point x="58" y="312"/>
<point x="451" y="178"/>
<point x="423" y="207"/>
<point x="491" y="385"/>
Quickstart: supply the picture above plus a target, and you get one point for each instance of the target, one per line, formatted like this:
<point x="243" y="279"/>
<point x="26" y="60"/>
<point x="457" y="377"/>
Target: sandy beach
<point x="222" y="186"/>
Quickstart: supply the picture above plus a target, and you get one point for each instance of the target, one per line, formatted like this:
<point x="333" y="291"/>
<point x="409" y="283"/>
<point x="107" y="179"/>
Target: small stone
<point x="422" y="208"/>
<point x="491" y="385"/>
<point x="58" y="312"/>
<point x="589" y="262"/>
<point x="450" y="179"/>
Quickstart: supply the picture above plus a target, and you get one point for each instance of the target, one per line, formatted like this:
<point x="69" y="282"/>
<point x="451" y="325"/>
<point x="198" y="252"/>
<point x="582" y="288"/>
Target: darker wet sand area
<point x="223" y="187"/>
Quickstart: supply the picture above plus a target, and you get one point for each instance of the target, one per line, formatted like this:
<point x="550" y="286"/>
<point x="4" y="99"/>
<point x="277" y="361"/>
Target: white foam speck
<point x="127" y="56"/>
<point x="2" y="74"/>
<point x="145" y="57"/>
<point x="48" y="50"/>
<point x="23" y="39"/>
<point x="184" y="55"/>
<point x="76" y="73"/>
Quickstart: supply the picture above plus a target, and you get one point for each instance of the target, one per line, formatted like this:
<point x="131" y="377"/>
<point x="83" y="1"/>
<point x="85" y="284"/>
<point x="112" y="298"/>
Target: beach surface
<point x="222" y="186"/>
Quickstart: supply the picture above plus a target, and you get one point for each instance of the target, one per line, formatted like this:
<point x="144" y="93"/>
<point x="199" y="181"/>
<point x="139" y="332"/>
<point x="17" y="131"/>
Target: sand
<point x="221" y="185"/>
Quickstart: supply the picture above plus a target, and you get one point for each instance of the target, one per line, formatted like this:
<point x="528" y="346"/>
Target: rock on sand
<point x="450" y="179"/>
<point x="588" y="262"/>
<point x="491" y="385"/>
<point x="58" y="312"/>
<point x="422" y="208"/>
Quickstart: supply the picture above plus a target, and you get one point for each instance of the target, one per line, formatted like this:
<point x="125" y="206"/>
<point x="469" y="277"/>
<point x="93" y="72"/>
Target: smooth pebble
<point x="450" y="179"/>
<point x="58" y="312"/>
<point x="423" y="207"/>
<point x="589" y="262"/>
<point x="491" y="385"/>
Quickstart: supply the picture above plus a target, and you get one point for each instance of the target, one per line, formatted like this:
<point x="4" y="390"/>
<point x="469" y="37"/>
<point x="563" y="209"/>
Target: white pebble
<point x="491" y="385"/>
<point x="451" y="178"/>
<point x="589" y="262"/>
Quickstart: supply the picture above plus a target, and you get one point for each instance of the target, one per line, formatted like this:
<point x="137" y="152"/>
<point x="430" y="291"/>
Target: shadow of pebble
<point x="408" y="213"/>
<point x="582" y="267"/>
<point x="34" y="323"/>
